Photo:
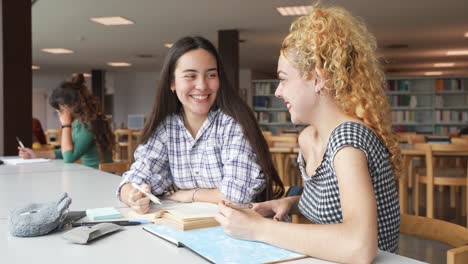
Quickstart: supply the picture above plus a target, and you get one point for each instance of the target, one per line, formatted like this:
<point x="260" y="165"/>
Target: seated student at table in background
<point x="86" y="132"/>
<point x="201" y="137"/>
<point x="331" y="79"/>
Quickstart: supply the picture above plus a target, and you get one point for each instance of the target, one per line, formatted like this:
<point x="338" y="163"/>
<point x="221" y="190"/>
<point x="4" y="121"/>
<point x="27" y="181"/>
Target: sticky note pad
<point x="103" y="213"/>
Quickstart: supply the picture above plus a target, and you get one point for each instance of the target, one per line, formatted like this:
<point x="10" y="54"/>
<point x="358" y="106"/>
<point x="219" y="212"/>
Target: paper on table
<point x="102" y="213"/>
<point x="17" y="161"/>
<point x="194" y="210"/>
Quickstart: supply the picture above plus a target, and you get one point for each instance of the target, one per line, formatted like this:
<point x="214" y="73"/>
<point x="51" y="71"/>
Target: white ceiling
<point x="429" y="27"/>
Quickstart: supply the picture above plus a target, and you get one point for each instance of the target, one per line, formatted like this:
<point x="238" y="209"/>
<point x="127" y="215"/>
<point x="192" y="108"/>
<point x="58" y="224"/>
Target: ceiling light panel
<point x="444" y="64"/>
<point x="457" y="52"/>
<point x="112" y="21"/>
<point x="294" y="10"/>
<point x="57" y="51"/>
<point x="432" y="73"/>
<point x="119" y="64"/>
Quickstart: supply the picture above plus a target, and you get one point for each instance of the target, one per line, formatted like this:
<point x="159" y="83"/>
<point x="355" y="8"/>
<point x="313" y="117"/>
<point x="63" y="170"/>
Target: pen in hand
<point x="19" y="142"/>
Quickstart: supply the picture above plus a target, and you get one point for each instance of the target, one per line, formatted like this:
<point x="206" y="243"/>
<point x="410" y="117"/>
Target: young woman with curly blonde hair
<point x="331" y="80"/>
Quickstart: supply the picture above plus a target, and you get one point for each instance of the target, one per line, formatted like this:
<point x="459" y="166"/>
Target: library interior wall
<point x="134" y="93"/>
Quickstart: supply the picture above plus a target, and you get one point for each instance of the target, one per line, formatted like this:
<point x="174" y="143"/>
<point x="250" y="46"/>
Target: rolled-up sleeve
<point x="151" y="164"/>
<point x="243" y="177"/>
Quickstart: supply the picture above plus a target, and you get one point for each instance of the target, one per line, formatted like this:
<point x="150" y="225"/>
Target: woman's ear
<point x="319" y="79"/>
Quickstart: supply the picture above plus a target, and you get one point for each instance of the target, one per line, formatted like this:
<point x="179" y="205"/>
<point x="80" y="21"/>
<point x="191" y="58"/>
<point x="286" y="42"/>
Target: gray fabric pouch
<point x="39" y="219"/>
<point x="85" y="234"/>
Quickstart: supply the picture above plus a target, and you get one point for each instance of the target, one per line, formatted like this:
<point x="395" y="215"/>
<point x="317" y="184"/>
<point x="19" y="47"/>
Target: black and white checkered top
<point x="320" y="201"/>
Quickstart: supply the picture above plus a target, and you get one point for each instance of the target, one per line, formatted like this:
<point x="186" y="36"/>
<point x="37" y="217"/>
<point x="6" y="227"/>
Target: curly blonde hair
<point x="333" y="41"/>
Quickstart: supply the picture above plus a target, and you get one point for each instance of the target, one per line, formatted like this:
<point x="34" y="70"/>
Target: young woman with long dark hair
<point x="200" y="138"/>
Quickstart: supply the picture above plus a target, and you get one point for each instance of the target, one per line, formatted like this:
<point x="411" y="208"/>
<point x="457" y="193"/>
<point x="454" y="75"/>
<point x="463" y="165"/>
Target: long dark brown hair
<point x="227" y="100"/>
<point x="75" y="95"/>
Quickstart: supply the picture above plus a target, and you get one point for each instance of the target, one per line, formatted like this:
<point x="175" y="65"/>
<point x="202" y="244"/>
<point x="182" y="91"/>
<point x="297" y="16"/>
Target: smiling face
<point x="196" y="82"/>
<point x="299" y="95"/>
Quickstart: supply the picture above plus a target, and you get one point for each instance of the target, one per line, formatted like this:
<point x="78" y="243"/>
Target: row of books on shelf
<point x="451" y="116"/>
<point x="446" y="130"/>
<point x="267" y="117"/>
<point x="267" y="88"/>
<point x="442" y="85"/>
<point x="403" y="117"/>
<point x="261" y="101"/>
<point x="404" y="100"/>
<point x="398" y="85"/>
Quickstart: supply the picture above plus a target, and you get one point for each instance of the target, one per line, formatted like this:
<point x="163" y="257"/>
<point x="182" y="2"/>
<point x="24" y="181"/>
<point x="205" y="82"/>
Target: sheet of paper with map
<point x="217" y="247"/>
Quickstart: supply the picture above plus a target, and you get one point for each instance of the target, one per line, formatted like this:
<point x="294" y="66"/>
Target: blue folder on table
<point x="215" y="246"/>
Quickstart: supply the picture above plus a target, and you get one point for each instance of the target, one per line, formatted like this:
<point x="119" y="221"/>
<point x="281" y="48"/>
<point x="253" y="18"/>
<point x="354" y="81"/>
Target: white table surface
<point x="88" y="188"/>
<point x="53" y="165"/>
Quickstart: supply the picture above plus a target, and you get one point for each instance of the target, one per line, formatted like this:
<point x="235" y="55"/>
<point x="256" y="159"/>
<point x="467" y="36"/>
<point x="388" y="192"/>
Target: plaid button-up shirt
<point x="220" y="156"/>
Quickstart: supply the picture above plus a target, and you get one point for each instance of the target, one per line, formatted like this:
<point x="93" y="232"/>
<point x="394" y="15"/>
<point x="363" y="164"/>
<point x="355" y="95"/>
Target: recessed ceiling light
<point x="457" y="52"/>
<point x="433" y="73"/>
<point x="466" y="34"/>
<point x="444" y="64"/>
<point x="119" y="64"/>
<point x="112" y="21"/>
<point x="294" y="10"/>
<point x="34" y="67"/>
<point x="168" y="45"/>
<point x="58" y="51"/>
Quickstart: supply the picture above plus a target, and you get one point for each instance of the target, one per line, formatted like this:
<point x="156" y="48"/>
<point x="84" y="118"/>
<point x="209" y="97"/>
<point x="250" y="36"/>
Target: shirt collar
<point x="206" y="124"/>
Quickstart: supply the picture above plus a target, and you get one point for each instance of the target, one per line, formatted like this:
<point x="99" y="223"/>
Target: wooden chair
<point x="454" y="235"/>
<point x="281" y="148"/>
<point x="53" y="137"/>
<point x="115" y="167"/>
<point x="135" y="140"/>
<point x="123" y="146"/>
<point x="403" y="137"/>
<point x="459" y="141"/>
<point x="432" y="175"/>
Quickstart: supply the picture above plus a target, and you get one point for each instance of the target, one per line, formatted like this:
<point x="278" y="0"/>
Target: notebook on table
<point x="215" y="246"/>
<point x="18" y="161"/>
<point x="182" y="216"/>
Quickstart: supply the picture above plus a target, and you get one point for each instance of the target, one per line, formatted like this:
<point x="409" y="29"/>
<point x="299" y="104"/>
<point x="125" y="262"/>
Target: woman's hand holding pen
<point x="135" y="199"/>
<point x="27" y="153"/>
<point x="239" y="223"/>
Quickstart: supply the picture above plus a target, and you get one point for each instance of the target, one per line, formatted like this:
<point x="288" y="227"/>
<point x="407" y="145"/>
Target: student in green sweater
<point x="86" y="134"/>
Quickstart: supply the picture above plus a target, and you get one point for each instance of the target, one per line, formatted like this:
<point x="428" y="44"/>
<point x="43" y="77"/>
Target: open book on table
<point x="182" y="216"/>
<point x="215" y="246"/>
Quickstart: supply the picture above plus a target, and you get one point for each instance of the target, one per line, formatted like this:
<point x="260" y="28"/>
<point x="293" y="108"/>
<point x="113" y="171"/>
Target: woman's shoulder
<point x="354" y="134"/>
<point x="352" y="130"/>
<point x="81" y="127"/>
<point x="223" y="119"/>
